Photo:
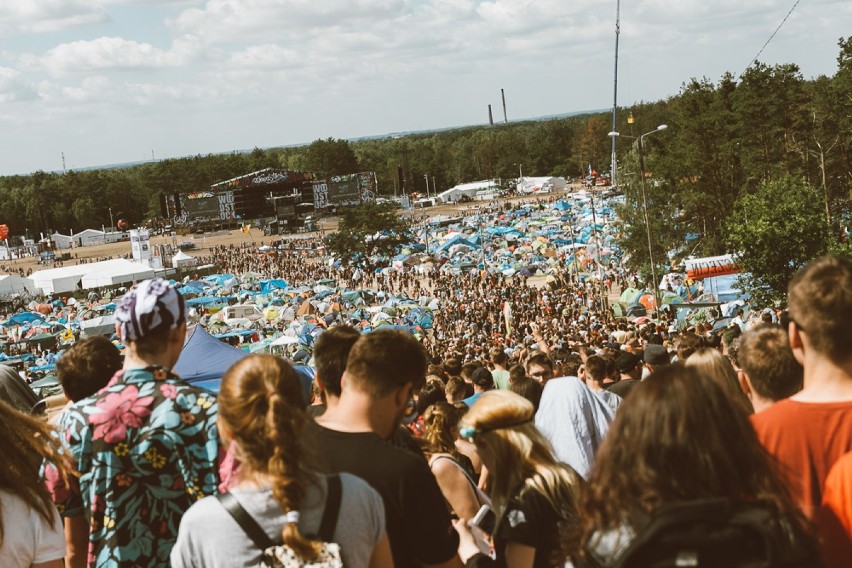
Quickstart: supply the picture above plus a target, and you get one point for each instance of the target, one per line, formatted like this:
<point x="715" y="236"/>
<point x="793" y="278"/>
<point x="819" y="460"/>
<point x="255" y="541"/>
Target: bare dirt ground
<point x="204" y="243"/>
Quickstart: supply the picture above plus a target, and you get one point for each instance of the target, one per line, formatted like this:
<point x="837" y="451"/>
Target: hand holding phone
<point x="484" y="519"/>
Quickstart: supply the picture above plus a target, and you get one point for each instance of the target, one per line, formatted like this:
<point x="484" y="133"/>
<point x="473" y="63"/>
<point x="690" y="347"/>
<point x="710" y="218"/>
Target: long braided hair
<point x="261" y="405"/>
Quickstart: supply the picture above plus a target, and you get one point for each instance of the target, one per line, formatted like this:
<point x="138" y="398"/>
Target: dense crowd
<point x="526" y="428"/>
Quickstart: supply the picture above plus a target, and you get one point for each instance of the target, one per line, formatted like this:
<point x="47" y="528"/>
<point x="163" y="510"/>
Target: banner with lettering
<point x="707" y="267"/>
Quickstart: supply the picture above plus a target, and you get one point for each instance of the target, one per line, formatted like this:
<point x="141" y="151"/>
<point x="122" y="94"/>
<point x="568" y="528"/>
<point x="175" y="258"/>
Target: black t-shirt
<point x="623" y="387"/>
<point x="529" y="520"/>
<point x="418" y="523"/>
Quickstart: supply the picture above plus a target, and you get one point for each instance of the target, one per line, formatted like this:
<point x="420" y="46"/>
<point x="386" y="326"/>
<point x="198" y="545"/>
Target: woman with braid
<point x="262" y="415"/>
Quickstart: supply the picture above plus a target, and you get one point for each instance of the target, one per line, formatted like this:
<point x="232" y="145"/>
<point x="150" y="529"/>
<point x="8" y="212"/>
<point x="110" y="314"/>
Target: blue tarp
<point x="25" y="317"/>
<point x="267" y="286"/>
<point x="204" y="300"/>
<point x="235" y="333"/>
<point x="219" y="279"/>
<point x="457" y="241"/>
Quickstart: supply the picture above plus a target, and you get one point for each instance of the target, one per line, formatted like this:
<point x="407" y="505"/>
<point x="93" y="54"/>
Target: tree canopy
<point x="774" y="231"/>
<point x="369" y="229"/>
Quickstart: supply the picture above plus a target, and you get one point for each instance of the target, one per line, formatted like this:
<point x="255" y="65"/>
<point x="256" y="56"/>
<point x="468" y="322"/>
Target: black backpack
<point x="711" y="533"/>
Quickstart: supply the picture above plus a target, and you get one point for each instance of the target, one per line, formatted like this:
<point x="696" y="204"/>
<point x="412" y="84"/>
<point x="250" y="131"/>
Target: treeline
<point x="731" y="143"/>
<point x="725" y="139"/>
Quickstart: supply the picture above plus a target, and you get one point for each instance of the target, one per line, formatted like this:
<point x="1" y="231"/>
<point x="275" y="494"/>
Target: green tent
<point x="628" y="296"/>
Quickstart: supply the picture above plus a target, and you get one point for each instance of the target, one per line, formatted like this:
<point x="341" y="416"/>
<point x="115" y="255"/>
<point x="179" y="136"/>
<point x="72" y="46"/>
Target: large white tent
<point x="118" y="271"/>
<point x="92" y="275"/>
<point x="10" y="284"/>
<point x="466" y="190"/>
<point x="59" y="280"/>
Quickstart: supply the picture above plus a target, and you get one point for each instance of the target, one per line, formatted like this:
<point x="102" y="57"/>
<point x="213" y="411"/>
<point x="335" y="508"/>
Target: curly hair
<point x="440" y="429"/>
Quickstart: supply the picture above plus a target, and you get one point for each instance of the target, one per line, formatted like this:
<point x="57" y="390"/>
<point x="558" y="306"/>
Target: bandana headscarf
<point x="152" y="305"/>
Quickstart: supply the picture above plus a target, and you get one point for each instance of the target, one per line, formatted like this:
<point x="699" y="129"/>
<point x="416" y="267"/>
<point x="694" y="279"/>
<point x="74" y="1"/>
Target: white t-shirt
<point x="27" y="537"/>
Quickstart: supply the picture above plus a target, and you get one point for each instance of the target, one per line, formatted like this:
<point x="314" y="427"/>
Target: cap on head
<point x="626" y="362"/>
<point x="152" y="306"/>
<point x="656" y="355"/>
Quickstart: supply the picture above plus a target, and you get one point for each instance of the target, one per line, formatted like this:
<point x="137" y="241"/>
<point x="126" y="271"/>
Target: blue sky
<point x="111" y="81"/>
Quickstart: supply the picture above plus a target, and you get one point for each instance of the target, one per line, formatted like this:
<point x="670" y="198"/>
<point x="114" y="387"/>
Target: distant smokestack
<point x="490" y="116"/>
<point x="505" y="116"/>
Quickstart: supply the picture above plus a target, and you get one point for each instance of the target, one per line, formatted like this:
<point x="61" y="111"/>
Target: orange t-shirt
<point x="835" y="516"/>
<point x="807" y="438"/>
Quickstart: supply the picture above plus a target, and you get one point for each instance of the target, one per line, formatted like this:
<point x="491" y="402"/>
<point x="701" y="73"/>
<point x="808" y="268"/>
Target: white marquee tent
<point x="182" y="259"/>
<point x="92" y="275"/>
<point x="15" y="285"/>
<point x="118" y="271"/>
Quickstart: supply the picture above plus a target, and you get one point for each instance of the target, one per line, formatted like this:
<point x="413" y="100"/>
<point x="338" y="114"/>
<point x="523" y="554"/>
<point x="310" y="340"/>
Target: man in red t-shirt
<point x="812" y="429"/>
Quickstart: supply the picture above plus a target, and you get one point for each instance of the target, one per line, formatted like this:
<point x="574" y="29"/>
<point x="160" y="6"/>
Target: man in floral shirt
<point x="146" y="446"/>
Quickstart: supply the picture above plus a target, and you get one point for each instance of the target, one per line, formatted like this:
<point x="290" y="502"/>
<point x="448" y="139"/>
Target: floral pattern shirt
<point x="146" y="447"/>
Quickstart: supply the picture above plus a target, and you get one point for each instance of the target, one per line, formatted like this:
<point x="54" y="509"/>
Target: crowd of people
<point x="545" y="434"/>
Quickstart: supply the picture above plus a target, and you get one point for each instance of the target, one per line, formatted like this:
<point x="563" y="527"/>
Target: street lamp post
<point x="640" y="140"/>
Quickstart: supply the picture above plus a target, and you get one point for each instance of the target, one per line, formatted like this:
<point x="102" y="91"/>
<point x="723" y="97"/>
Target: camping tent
<point x="102" y="325"/>
<point x="205" y="359"/>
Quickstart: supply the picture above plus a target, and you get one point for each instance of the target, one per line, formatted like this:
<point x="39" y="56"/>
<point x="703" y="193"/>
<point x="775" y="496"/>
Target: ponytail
<point x="261" y="403"/>
<point x="289" y="479"/>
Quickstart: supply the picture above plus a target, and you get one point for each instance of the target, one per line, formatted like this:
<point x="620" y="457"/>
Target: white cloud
<point x="216" y="73"/>
<point x="239" y="20"/>
<point x="269" y="56"/>
<point x="40" y="16"/>
<point x="13" y="86"/>
<point x="113" y="53"/>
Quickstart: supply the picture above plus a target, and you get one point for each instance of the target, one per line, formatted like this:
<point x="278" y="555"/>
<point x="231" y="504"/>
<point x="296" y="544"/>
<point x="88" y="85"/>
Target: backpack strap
<point x="259" y="536"/>
<point x="332" y="508"/>
<point x="481" y="498"/>
<point x="246" y="522"/>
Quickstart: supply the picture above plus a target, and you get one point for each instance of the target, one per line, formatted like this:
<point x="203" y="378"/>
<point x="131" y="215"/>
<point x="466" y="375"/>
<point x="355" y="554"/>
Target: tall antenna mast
<point x="614" y="180"/>
<point x="63" y="163"/>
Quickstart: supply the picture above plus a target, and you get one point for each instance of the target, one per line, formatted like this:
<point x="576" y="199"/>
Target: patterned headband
<point x="151" y="306"/>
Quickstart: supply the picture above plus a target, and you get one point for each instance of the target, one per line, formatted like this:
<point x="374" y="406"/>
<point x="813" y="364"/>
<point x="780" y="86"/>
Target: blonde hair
<point x="713" y="366"/>
<point x="260" y="403"/>
<point x="502" y="423"/>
